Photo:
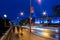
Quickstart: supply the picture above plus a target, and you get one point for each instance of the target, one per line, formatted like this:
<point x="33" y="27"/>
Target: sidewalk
<point x="28" y="36"/>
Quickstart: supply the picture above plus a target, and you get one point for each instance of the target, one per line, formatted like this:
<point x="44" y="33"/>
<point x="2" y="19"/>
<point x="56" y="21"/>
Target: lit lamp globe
<point x="5" y="15"/>
<point x="21" y="13"/>
<point x="44" y="13"/>
<point x="39" y="1"/>
<point x="5" y="19"/>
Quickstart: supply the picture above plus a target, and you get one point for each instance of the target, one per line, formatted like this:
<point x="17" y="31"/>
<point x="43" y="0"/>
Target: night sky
<point x="45" y="5"/>
<point x="12" y="8"/>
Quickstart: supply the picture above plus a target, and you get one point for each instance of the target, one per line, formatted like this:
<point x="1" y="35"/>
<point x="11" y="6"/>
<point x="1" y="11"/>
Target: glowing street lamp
<point x="44" y="13"/>
<point x="21" y="13"/>
<point x="5" y="19"/>
<point x="5" y="15"/>
<point x="39" y="1"/>
<point x="31" y="11"/>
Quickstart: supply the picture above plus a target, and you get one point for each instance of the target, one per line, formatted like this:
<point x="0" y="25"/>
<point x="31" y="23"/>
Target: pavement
<point x="26" y="35"/>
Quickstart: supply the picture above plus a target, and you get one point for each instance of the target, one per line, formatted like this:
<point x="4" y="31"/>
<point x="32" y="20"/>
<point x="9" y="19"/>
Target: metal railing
<point x="7" y="35"/>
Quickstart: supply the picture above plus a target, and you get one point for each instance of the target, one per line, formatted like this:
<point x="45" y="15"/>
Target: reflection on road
<point x="48" y="32"/>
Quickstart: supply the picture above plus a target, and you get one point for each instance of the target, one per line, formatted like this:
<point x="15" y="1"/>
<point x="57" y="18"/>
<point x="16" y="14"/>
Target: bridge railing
<point x="7" y="35"/>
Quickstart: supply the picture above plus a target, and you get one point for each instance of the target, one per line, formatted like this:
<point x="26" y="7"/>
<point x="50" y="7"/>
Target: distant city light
<point x="40" y="21"/>
<point x="37" y="21"/>
<point x="17" y="17"/>
<point x="45" y="21"/>
<point x="55" y="21"/>
<point x="5" y="15"/>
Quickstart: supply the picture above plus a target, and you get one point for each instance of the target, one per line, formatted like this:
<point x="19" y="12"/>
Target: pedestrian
<point x="17" y="28"/>
<point x="13" y="28"/>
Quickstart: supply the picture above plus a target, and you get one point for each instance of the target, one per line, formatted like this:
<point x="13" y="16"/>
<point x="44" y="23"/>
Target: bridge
<point x="25" y="34"/>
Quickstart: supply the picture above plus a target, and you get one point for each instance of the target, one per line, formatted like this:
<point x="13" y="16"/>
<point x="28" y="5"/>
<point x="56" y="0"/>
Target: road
<point x="50" y="32"/>
<point x="35" y="35"/>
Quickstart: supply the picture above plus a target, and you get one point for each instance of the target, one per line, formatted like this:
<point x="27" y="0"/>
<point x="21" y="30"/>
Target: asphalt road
<point x="35" y="35"/>
<point x="47" y="32"/>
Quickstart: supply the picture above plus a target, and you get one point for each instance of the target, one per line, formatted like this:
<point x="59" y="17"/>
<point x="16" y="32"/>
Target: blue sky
<point x="13" y="8"/>
<point x="46" y="5"/>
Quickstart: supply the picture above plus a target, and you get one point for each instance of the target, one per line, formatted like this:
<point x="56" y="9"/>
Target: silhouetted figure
<point x="18" y="29"/>
<point x="21" y="31"/>
<point x="13" y="28"/>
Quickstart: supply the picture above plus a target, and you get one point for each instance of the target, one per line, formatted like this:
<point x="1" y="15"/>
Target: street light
<point x="5" y="16"/>
<point x="21" y="13"/>
<point x="39" y="1"/>
<point x="31" y="11"/>
<point x="44" y="13"/>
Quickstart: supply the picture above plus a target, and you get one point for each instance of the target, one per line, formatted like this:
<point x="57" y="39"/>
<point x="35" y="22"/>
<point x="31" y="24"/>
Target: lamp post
<point x="21" y="14"/>
<point x="39" y="1"/>
<point x="31" y="12"/>
<point x="5" y="16"/>
<point x="45" y="14"/>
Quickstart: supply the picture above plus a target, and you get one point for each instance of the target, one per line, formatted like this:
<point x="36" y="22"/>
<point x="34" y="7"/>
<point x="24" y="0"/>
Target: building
<point x="56" y="10"/>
